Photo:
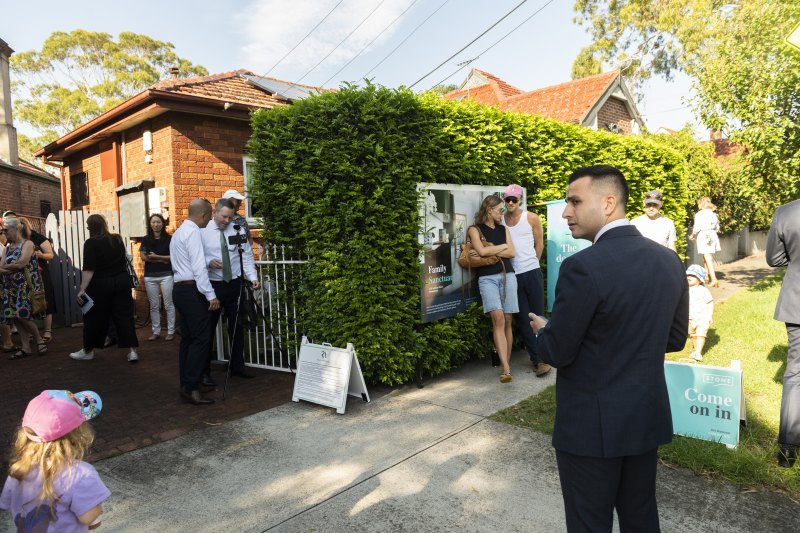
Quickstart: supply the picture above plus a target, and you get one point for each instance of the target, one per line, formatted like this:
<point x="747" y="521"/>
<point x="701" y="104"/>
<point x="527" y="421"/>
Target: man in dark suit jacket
<point x="620" y="305"/>
<point x="783" y="249"/>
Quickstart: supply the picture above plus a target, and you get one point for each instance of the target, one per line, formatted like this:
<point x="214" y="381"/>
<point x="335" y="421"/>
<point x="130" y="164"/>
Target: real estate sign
<point x="706" y="401"/>
<point x="560" y="245"/>
<point x="446" y="211"/>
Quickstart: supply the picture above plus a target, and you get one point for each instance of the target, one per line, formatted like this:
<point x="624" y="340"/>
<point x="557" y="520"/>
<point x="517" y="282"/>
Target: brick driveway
<point x="141" y="405"/>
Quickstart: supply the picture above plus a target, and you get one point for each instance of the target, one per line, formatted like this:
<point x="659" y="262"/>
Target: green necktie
<point x="227" y="275"/>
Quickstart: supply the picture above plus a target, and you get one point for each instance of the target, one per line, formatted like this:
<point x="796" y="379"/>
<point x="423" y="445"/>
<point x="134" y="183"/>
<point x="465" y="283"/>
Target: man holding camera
<point x="221" y="243"/>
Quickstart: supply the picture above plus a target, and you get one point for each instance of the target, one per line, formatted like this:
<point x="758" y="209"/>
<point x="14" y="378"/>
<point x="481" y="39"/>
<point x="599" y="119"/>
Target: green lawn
<point x="743" y="329"/>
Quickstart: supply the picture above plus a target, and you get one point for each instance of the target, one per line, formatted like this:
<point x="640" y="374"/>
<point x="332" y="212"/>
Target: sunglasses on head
<point x="512" y="199"/>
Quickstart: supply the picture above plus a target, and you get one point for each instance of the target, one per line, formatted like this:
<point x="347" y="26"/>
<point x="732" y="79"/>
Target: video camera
<point x="239" y="238"/>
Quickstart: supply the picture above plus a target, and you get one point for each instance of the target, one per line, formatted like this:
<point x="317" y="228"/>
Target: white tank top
<point x="522" y="236"/>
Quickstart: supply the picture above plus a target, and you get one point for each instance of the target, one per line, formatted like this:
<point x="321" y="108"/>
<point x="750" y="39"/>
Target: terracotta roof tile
<point x="566" y="102"/>
<point x="505" y="88"/>
<point x="225" y="87"/>
<point x="483" y="94"/>
<point x="33" y="169"/>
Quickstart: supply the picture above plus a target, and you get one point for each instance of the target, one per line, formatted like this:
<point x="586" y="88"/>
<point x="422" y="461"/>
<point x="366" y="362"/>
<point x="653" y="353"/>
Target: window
<point x="252" y="211"/>
<point x="45" y="208"/>
<point x="79" y="190"/>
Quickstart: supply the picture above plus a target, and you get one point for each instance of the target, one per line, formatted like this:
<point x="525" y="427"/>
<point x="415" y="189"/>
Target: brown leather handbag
<point x="466" y="260"/>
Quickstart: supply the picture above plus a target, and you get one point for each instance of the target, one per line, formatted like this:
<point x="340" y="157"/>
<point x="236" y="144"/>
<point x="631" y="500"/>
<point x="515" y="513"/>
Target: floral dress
<point x="15" y="296"/>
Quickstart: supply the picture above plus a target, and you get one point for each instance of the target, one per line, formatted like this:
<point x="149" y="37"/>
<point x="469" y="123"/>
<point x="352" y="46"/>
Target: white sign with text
<point x="327" y="375"/>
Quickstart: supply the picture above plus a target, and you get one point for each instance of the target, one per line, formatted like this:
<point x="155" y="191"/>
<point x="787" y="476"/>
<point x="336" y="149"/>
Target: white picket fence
<point x="68" y="232"/>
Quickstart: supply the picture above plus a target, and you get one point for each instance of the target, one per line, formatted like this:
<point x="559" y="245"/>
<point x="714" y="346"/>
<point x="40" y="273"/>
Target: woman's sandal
<point x="506" y="378"/>
<point x="9" y="349"/>
<point x="19" y="354"/>
<point x="42" y="347"/>
<point x="47" y="336"/>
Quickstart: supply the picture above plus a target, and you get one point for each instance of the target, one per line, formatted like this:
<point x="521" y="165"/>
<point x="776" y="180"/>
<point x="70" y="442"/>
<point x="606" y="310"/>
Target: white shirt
<point x="611" y="225"/>
<point x="660" y="229"/>
<point x="521" y="234"/>
<point x="188" y="259"/>
<point x="211" y="246"/>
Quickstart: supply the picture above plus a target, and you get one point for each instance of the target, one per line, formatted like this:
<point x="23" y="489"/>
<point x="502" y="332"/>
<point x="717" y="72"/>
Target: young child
<point x="49" y="487"/>
<point x="701" y="309"/>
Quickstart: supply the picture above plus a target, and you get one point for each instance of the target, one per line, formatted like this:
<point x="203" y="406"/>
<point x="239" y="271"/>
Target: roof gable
<point x="483" y="88"/>
<point x="566" y="102"/>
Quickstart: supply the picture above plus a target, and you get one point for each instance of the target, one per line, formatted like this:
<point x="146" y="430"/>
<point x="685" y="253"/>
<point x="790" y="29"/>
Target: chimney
<point x="8" y="133"/>
<point x="175" y="71"/>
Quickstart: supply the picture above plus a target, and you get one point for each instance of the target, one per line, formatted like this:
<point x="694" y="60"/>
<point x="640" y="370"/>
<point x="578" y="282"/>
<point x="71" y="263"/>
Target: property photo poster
<point x="446" y="211"/>
<point x="560" y="245"/>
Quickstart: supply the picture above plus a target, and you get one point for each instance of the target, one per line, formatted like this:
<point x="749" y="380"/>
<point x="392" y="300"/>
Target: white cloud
<point x="273" y="27"/>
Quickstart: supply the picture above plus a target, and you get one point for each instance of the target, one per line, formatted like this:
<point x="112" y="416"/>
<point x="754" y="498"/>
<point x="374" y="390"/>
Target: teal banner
<point x="707" y="401"/>
<point x="560" y="245"/>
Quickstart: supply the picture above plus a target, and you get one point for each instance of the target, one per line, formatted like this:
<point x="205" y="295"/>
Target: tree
<point x="586" y="65"/>
<point x="79" y="75"/>
<point x="746" y="79"/>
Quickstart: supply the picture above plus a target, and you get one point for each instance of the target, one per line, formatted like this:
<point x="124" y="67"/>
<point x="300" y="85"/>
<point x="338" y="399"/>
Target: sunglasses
<point x="512" y="199"/>
<point x="652" y="205"/>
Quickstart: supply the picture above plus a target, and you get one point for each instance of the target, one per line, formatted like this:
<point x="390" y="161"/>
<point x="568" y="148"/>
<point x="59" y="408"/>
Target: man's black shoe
<point x="787" y="455"/>
<point x="194" y="397"/>
<point x="242" y="373"/>
<point x="208" y="381"/>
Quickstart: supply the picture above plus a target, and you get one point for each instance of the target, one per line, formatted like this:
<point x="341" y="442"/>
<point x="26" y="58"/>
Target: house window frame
<point x="248" y="202"/>
<point x="45" y="205"/>
<point x="75" y="201"/>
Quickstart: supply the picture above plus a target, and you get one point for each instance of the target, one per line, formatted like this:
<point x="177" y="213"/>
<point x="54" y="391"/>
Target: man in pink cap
<point x="525" y="229"/>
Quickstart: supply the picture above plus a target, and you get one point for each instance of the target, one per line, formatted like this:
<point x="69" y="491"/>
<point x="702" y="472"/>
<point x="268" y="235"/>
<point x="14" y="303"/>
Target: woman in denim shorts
<point x="498" y="286"/>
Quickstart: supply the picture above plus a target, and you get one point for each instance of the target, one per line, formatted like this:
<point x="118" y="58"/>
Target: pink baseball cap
<point x="54" y="413"/>
<point x="513" y="190"/>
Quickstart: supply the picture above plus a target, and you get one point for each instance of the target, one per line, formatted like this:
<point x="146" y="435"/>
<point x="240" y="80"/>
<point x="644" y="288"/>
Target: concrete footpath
<point x="412" y="460"/>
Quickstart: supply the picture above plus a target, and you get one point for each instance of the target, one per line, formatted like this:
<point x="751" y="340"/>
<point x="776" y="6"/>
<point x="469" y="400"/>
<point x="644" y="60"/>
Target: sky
<point x="358" y="38"/>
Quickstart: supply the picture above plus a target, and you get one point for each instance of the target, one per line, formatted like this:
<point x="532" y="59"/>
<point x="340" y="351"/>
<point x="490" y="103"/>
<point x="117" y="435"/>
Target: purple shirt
<point x="78" y="494"/>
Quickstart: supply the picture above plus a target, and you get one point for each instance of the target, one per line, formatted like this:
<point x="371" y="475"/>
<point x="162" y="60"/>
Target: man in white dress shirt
<point x="652" y="224"/>
<point x="194" y="297"/>
<point x="225" y="273"/>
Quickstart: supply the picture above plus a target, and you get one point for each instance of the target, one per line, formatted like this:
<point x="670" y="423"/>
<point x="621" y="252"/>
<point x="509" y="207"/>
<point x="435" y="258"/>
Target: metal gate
<point x="279" y="272"/>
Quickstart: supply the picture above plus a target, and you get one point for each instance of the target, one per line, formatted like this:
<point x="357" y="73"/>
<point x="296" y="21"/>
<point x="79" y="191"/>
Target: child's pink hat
<point x="54" y="413"/>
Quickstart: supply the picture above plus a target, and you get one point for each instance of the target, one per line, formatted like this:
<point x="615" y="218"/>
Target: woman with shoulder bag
<point x="497" y="282"/>
<point x="21" y="282"/>
<point x="105" y="279"/>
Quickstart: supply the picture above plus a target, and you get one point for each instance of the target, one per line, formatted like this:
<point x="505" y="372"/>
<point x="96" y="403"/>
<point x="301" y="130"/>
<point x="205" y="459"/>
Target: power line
<point x="518" y="26"/>
<point x="304" y="38"/>
<point x="404" y="40"/>
<point x="338" y="45"/>
<point x="370" y="43"/>
<point x="469" y="44"/>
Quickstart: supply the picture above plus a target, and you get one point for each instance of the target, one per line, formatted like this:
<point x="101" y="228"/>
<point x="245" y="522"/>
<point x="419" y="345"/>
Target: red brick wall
<point x="614" y="112"/>
<point x="22" y="193"/>
<point x="101" y="192"/>
<point x="207" y="155"/>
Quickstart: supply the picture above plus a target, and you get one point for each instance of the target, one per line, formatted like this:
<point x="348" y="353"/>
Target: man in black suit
<point x="620" y="305"/>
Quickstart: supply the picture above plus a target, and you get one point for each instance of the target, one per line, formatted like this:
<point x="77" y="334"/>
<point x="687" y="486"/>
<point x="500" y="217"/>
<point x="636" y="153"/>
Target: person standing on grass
<point x="652" y="224"/>
<point x="525" y="230"/>
<point x="620" y="305"/>
<point x="783" y="249"/>
<point x="701" y="309"/>
<point x="704" y="231"/>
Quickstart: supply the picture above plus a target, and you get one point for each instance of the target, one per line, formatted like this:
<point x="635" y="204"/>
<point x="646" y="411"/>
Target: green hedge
<point x="336" y="175"/>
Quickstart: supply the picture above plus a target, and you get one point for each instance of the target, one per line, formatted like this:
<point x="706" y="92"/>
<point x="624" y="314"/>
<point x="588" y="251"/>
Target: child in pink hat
<point x="66" y="495"/>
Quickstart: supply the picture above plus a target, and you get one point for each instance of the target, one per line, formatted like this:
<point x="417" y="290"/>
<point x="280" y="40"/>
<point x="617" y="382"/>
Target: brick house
<point x="602" y="101"/>
<point x="24" y="188"/>
<point x="186" y="135"/>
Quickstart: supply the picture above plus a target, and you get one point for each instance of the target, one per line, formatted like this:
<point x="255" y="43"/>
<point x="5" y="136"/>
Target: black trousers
<point x="195" y="334"/>
<point x="112" y="303"/>
<point x="594" y="486"/>
<point x="228" y="296"/>
<point x="530" y="295"/>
